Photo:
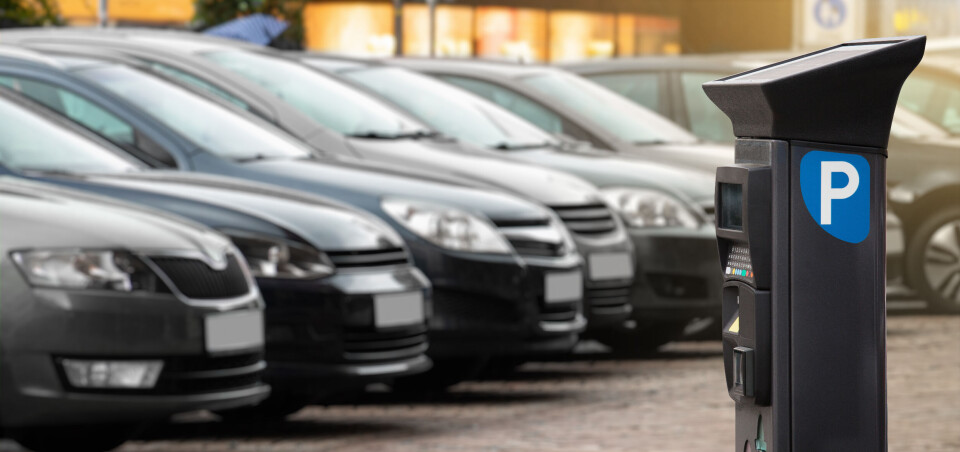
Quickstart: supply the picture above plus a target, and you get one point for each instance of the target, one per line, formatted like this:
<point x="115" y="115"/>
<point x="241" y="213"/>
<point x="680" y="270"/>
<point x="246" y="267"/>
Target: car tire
<point x="80" y="438"/>
<point x="444" y="374"/>
<point x="933" y="260"/>
<point x="645" y="339"/>
<point x="274" y="409"/>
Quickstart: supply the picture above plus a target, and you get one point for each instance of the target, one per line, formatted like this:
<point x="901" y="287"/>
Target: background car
<point x="660" y="204"/>
<point x="923" y="176"/>
<point x="114" y="316"/>
<point x="495" y="291"/>
<point x="345" y="306"/>
<point x="563" y="103"/>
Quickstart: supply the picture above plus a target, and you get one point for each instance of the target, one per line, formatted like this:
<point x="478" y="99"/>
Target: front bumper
<point x="678" y="274"/>
<point x="321" y="335"/>
<point x="606" y="301"/>
<point x="492" y="305"/>
<point x="41" y="326"/>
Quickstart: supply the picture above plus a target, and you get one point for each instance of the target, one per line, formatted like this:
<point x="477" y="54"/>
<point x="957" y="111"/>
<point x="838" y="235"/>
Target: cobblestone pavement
<point x="673" y="402"/>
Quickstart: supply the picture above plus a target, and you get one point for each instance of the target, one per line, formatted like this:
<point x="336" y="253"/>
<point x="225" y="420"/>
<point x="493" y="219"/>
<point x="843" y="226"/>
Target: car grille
<point x="368" y="345"/>
<point x="610" y="295"/>
<point x="195" y="279"/>
<point x="368" y="258"/>
<point x="560" y="312"/>
<point x="588" y="219"/>
<point x="532" y="237"/>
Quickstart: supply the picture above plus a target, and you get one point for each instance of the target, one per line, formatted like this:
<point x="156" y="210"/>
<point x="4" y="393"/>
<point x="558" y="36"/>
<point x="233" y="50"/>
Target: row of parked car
<point x="194" y="223"/>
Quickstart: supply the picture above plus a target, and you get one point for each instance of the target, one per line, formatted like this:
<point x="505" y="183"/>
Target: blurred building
<point x="564" y="30"/>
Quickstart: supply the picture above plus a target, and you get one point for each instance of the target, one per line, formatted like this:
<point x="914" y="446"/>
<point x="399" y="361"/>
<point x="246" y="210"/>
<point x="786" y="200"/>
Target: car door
<point x="74" y="106"/>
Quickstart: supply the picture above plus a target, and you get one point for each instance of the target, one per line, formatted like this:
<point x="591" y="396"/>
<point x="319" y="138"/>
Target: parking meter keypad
<point x="738" y="262"/>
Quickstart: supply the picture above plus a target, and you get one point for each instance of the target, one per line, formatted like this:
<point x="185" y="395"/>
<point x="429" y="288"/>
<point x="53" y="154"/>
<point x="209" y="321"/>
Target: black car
<point x="506" y="276"/>
<point x="563" y="103"/>
<point x="337" y="117"/>
<point x="115" y="316"/>
<point x="346" y="307"/>
<point x="923" y="176"/>
<point x="664" y="207"/>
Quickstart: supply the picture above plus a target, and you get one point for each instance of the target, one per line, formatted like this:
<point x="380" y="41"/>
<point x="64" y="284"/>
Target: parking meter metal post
<point x="800" y="227"/>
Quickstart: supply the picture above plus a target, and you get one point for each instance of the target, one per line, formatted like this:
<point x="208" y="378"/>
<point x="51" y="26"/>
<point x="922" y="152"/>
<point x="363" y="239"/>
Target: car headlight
<point x="86" y="269"/>
<point x="643" y="208"/>
<point x="280" y="259"/>
<point x="447" y="227"/>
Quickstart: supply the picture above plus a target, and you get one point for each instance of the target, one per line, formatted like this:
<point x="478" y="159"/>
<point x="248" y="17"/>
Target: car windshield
<point x="33" y="143"/>
<point x="451" y="110"/>
<point x="619" y="116"/>
<point x="206" y="124"/>
<point x="332" y="103"/>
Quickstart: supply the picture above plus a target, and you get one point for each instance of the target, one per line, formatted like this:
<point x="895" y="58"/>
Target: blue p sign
<point x="836" y="191"/>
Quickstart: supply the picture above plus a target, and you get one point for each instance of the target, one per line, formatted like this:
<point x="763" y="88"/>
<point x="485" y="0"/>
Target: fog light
<point x="112" y="374"/>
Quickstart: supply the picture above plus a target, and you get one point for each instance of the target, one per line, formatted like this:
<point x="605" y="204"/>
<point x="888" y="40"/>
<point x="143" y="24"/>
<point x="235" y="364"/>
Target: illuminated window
<point x="454" y="28"/>
<point x="167" y="11"/>
<point x="578" y="35"/>
<point x="512" y="33"/>
<point x="351" y="28"/>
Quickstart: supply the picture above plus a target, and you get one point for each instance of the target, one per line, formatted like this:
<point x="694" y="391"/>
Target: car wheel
<point x="643" y="339"/>
<point x="274" y="409"/>
<point x="81" y="438"/>
<point x="444" y="374"/>
<point x="933" y="260"/>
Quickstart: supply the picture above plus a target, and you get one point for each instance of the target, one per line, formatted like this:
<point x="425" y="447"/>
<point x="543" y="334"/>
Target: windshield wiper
<point x="649" y="142"/>
<point x="505" y="146"/>
<point x="258" y="157"/>
<point x="377" y="135"/>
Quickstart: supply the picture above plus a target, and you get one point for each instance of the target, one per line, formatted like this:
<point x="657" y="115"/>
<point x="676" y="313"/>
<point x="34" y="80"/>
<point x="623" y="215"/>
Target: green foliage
<point x="28" y="13"/>
<point x="210" y="13"/>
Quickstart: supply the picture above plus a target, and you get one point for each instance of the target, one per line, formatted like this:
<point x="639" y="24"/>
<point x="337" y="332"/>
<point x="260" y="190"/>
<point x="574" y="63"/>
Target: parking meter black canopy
<point x="839" y="85"/>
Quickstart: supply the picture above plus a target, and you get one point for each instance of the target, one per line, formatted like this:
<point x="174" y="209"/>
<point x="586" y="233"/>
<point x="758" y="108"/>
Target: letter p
<point x="828" y="193"/>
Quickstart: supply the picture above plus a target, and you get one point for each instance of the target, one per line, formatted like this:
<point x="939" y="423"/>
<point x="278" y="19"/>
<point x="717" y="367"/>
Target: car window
<point x="205" y="123"/>
<point x="32" y="142"/>
<point x="937" y="101"/>
<point x="642" y="88"/>
<point x="511" y="100"/>
<point x="451" y="111"/>
<point x="89" y="115"/>
<point x="198" y="83"/>
<point x="607" y="110"/>
<point x="328" y="101"/>
<point x="917" y="93"/>
<point x="706" y="120"/>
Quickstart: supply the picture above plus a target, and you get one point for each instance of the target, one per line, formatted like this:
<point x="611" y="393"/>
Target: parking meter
<point x="801" y="231"/>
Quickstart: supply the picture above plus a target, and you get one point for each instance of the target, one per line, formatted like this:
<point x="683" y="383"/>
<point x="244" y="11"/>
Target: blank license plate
<point x="234" y="331"/>
<point x="563" y="287"/>
<point x="610" y="266"/>
<point x="397" y="309"/>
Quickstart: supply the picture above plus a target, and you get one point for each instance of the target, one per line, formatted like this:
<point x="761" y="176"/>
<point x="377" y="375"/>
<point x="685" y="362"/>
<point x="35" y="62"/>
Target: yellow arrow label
<point x="735" y="326"/>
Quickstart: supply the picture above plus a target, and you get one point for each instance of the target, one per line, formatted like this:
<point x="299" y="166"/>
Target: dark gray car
<point x="115" y="316"/>
<point x="563" y="103"/>
<point x="336" y="117"/>
<point x="345" y="306"/>
<point x="664" y="207"/>
<point x="506" y="275"/>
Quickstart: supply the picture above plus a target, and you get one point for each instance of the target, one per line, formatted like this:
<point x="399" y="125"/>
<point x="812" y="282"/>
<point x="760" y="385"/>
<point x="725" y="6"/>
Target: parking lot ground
<point x="672" y="402"/>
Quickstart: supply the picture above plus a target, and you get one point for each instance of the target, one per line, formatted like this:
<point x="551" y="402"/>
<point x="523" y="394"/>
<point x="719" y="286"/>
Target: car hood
<point x="229" y="204"/>
<point x="363" y="188"/>
<point x="39" y="215"/>
<point x="543" y="185"/>
<point x="607" y="170"/>
<point x="698" y="156"/>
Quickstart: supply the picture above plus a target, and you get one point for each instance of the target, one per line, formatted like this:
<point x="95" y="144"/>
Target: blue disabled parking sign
<point x="836" y="191"/>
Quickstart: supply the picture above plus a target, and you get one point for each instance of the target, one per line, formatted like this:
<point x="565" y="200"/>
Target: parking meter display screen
<point x="731" y="206"/>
